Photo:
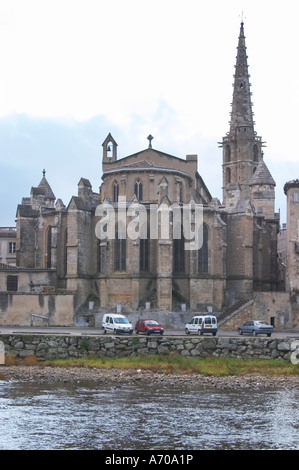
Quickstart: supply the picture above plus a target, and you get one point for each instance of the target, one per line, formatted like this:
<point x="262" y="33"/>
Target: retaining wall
<point x="49" y="346"/>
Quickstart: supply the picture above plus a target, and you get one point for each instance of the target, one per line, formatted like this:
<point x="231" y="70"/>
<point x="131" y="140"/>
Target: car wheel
<point x="114" y="331"/>
<point x="254" y="333"/>
<point x="187" y="331"/>
<point x="137" y="332"/>
<point x="268" y="334"/>
<point x="148" y="333"/>
<point x="240" y="331"/>
<point x="105" y="331"/>
<point x="161" y="333"/>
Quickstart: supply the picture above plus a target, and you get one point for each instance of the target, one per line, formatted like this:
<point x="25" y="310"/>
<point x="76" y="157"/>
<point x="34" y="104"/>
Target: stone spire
<point x="241" y="114"/>
<point x="242" y="148"/>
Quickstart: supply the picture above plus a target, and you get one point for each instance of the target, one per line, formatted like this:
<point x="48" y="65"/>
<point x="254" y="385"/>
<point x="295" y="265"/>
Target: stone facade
<point x="139" y="265"/>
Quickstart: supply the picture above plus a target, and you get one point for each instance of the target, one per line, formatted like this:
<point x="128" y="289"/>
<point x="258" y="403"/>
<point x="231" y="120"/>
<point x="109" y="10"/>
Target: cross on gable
<point x="150" y="138"/>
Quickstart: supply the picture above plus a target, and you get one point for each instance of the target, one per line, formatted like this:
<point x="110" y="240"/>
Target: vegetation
<point x="174" y="364"/>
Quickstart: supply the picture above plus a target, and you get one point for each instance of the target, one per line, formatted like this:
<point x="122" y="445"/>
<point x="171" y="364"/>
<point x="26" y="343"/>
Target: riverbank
<point x="118" y="377"/>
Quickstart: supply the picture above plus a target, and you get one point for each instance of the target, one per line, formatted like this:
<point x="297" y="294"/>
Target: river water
<point x="85" y="416"/>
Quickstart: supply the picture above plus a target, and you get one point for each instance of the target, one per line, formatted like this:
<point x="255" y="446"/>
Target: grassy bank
<point x="182" y="365"/>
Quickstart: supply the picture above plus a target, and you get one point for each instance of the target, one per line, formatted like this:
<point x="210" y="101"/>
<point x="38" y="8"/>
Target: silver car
<point x="256" y="327"/>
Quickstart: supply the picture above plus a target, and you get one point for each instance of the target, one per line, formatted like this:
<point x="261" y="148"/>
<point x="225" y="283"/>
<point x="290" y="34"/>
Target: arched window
<point x="228" y="153"/>
<point x="144" y="255"/>
<point x="65" y="252"/>
<point x="228" y="175"/>
<point x="179" y="253"/>
<point x="138" y="190"/>
<point x="120" y="256"/>
<point x="49" y="247"/>
<point x="115" y="192"/>
<point x="203" y="252"/>
<point x="109" y="149"/>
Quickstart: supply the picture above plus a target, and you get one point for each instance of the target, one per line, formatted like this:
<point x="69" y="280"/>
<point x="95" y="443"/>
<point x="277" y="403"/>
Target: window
<point x="228" y="175"/>
<point x="179" y="253"/>
<point x="228" y="153"/>
<point x="65" y="253"/>
<point x="12" y="247"/>
<point x="144" y="253"/>
<point x="12" y="283"/>
<point x="138" y="190"/>
<point x="120" y="246"/>
<point x="203" y="255"/>
<point x="115" y="192"/>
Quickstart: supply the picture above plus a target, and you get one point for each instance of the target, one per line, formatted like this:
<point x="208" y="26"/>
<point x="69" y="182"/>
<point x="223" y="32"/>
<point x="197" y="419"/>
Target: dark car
<point x="256" y="327"/>
<point x="148" y="327"/>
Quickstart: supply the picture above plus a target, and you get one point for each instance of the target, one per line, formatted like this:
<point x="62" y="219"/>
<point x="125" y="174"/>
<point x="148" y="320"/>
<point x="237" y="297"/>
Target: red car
<point x="148" y="327"/>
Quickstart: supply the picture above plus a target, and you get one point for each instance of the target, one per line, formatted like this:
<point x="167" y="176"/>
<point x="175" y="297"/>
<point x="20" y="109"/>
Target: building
<point x="136" y="267"/>
<point x="8" y="245"/>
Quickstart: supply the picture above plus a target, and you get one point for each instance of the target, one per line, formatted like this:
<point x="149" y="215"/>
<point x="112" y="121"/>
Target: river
<point x="81" y="415"/>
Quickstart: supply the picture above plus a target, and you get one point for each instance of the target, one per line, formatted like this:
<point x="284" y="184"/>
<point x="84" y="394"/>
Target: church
<point x="235" y="263"/>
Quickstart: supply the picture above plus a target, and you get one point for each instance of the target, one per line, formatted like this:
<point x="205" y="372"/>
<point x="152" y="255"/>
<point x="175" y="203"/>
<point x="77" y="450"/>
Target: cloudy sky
<point x="74" y="70"/>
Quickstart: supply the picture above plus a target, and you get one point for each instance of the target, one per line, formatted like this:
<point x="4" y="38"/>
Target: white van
<point x="116" y="323"/>
<point x="201" y="324"/>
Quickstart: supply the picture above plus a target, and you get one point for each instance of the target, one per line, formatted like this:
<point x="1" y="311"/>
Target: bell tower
<point x="242" y="148"/>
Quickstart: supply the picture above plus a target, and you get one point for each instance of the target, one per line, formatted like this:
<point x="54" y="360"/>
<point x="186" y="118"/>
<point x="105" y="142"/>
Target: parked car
<point x="149" y="327"/>
<point x="256" y="327"/>
<point x="201" y="324"/>
<point x="116" y="323"/>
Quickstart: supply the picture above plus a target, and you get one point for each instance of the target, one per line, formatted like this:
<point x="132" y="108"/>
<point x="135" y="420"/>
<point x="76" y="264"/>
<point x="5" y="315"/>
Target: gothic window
<point x="138" y="190"/>
<point x="228" y="153"/>
<point x="120" y="258"/>
<point x="255" y="153"/>
<point x="144" y="258"/>
<point x="179" y="254"/>
<point x="65" y="252"/>
<point x="203" y="255"/>
<point x="115" y="192"/>
<point x="49" y="246"/>
<point x="228" y="175"/>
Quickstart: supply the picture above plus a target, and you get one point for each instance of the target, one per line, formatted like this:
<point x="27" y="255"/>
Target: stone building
<point x="8" y="245"/>
<point x="237" y="254"/>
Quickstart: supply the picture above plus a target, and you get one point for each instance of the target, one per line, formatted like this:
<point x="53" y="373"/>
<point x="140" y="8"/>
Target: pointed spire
<point x="241" y="114"/>
<point x="45" y="185"/>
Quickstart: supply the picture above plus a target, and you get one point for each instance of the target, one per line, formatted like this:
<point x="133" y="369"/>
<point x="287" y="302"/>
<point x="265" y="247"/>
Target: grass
<point x="173" y="364"/>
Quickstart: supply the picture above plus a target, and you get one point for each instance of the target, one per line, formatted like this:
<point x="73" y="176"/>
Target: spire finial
<point x="242" y="17"/>
<point x="44" y="172"/>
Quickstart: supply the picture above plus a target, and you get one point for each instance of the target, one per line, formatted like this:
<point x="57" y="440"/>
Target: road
<point x="77" y="331"/>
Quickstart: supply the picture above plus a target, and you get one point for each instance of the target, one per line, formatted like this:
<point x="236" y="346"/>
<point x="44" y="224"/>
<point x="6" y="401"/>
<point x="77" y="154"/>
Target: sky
<point x="71" y="71"/>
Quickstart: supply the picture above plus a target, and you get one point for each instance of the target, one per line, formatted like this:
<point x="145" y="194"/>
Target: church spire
<point x="241" y="114"/>
<point x="242" y="148"/>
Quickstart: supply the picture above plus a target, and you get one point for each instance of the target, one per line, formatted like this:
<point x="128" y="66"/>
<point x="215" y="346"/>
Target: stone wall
<point x="49" y="346"/>
<point x="18" y="309"/>
<point x="272" y="307"/>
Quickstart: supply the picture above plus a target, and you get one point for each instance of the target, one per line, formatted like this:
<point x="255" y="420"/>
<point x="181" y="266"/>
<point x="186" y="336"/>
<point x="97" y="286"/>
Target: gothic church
<point x="238" y="254"/>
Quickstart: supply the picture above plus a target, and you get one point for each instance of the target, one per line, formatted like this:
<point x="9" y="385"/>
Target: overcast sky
<point x="74" y="70"/>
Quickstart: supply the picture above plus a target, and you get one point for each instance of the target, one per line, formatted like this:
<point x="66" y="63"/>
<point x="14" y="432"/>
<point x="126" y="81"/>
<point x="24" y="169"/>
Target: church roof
<point x="45" y="185"/>
<point x="262" y="175"/>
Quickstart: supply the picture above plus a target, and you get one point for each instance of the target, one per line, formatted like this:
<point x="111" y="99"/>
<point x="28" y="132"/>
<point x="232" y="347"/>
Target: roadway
<point x="96" y="331"/>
